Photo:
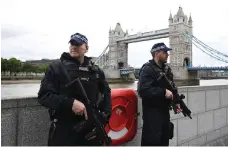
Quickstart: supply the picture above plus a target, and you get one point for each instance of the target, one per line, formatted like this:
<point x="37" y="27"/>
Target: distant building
<point x="204" y="73"/>
<point x="40" y="62"/>
<point x="211" y="74"/>
<point x="46" y="61"/>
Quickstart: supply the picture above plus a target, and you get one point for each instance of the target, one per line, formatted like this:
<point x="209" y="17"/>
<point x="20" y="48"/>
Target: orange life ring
<point x="122" y="126"/>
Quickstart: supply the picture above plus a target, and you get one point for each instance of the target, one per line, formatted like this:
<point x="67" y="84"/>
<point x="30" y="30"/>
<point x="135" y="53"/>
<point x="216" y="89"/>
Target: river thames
<point x="21" y="90"/>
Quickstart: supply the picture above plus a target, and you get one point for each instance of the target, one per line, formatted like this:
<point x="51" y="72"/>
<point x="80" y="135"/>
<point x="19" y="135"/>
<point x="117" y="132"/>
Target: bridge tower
<point x="118" y="51"/>
<point x="181" y="55"/>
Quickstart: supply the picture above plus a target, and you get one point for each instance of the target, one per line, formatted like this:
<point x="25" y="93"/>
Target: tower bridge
<point x="114" y="59"/>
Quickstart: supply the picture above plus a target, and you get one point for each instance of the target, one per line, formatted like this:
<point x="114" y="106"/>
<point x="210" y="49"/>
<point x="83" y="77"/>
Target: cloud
<point x="41" y="29"/>
<point x="11" y="31"/>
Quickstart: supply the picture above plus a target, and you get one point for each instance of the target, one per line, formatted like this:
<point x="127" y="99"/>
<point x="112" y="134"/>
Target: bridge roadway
<point x="139" y="37"/>
<point x="25" y="122"/>
<point x="224" y="68"/>
<point x="194" y="68"/>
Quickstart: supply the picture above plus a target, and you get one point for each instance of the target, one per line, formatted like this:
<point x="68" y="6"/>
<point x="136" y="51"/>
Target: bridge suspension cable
<point x="203" y="50"/>
<point x="213" y="54"/>
<point x="98" y="59"/>
<point x="208" y="47"/>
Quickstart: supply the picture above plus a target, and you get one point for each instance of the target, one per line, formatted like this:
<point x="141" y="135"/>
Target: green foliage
<point x="15" y="65"/>
<point x="43" y="68"/>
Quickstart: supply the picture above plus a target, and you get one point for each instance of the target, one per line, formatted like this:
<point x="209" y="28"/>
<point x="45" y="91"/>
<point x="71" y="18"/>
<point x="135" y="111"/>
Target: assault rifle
<point x="95" y="120"/>
<point x="177" y="99"/>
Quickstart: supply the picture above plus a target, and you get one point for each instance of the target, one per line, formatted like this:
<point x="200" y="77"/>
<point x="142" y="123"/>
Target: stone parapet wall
<point x="26" y="123"/>
<point x="209" y="123"/>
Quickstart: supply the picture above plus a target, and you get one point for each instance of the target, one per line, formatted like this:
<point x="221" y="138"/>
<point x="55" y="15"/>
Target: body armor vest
<point x="156" y="74"/>
<point x="89" y="77"/>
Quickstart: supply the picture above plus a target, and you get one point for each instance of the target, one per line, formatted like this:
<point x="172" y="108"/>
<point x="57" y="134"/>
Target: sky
<point x="40" y="29"/>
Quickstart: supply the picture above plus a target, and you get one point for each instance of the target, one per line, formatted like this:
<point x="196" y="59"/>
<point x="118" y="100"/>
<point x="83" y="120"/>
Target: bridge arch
<point x="120" y="65"/>
<point x="186" y="62"/>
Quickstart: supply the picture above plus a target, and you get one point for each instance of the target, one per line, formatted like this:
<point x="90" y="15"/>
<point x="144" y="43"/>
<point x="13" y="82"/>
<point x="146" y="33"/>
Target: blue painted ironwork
<point x="191" y="68"/>
<point x="126" y="71"/>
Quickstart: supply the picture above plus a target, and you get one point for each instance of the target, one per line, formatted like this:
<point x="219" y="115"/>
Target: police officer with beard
<point x="157" y="128"/>
<point x="65" y="105"/>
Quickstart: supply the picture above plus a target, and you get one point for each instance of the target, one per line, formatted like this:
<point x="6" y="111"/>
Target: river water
<point x="22" y="90"/>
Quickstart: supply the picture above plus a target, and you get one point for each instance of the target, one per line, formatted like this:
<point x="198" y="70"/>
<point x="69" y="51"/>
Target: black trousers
<point x="61" y="134"/>
<point x="156" y="129"/>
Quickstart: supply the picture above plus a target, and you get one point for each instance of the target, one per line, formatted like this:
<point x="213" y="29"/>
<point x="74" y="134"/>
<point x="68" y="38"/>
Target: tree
<point x="27" y="67"/>
<point x="43" y="68"/>
<point x="14" y="65"/>
<point x="4" y="63"/>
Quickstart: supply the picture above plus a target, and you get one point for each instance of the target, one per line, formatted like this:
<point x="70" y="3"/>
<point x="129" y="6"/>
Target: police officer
<point x="155" y="100"/>
<point x="65" y="105"/>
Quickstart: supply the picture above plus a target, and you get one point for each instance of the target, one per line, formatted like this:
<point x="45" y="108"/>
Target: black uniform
<point x="156" y="117"/>
<point x="59" y="100"/>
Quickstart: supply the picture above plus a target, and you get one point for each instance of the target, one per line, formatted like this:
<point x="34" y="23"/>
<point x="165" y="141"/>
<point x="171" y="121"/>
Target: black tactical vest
<point x="88" y="76"/>
<point x="157" y="71"/>
<point x="67" y="71"/>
